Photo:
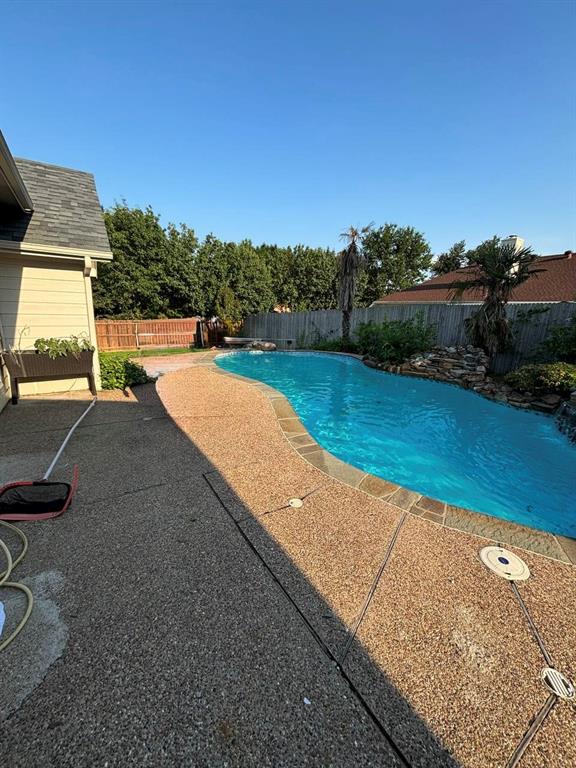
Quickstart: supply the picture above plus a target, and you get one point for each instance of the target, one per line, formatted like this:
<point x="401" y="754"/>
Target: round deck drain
<point x="504" y="563"/>
<point x="558" y="683"/>
<point x="296" y="503"/>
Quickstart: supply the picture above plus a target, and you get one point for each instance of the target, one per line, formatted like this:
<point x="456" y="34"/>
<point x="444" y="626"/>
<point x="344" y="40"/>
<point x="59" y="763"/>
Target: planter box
<point x="33" y="366"/>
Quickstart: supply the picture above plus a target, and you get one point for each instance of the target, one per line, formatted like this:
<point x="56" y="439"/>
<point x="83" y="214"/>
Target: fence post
<point x="136" y="334"/>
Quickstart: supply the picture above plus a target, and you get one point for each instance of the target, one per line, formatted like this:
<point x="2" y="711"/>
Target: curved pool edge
<point x="479" y="524"/>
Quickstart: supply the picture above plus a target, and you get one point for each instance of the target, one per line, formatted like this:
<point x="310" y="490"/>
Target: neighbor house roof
<point x="66" y="214"/>
<point x="556" y="282"/>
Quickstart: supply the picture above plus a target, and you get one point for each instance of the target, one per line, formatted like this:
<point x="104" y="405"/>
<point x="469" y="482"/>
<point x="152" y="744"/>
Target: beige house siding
<point x="43" y="297"/>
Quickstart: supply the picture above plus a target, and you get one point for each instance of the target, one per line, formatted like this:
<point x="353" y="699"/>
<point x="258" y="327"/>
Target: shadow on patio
<point x="186" y="615"/>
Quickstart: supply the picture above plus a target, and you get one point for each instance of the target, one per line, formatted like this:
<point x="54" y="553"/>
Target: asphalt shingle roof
<point x="556" y="282"/>
<point x="67" y="211"/>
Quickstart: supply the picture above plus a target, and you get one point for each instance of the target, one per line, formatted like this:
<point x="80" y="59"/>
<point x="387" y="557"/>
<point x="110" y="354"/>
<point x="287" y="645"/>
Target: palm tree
<point x="350" y="261"/>
<point x="497" y="270"/>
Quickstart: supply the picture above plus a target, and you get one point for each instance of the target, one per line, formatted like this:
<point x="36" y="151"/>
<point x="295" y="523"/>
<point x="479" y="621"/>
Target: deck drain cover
<point x="296" y="503"/>
<point x="558" y="683"/>
<point x="504" y="563"/>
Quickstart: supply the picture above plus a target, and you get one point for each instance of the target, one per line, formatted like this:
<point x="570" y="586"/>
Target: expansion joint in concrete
<point x="323" y="646"/>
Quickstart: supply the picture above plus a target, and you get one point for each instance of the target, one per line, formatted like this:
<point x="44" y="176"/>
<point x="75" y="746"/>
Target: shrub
<point x="335" y="345"/>
<point x="559" y="378"/>
<point x="118" y="372"/>
<point x="561" y="342"/>
<point x="393" y="341"/>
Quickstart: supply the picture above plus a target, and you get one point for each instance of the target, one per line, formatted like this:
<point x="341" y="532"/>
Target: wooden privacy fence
<point x="134" y="334"/>
<point x="306" y="328"/>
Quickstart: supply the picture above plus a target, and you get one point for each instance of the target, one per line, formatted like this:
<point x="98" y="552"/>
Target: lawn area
<point x="152" y="352"/>
<point x="123" y="369"/>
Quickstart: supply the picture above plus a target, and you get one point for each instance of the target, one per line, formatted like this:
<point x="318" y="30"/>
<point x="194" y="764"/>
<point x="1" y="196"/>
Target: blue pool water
<point x="434" y="438"/>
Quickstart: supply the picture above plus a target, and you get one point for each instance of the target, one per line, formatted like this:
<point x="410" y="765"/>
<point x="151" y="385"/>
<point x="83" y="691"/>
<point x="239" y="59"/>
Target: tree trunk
<point x="346" y="325"/>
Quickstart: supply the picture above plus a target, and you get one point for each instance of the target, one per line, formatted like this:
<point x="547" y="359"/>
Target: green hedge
<point x="559" y="378"/>
<point x="335" y="345"/>
<point x="118" y="372"/>
<point x="561" y="342"/>
<point x="394" y="341"/>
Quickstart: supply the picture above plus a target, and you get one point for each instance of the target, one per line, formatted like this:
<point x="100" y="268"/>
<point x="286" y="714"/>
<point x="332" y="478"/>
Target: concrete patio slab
<point x="258" y="488"/>
<point x="555" y="743"/>
<point x="327" y="554"/>
<point x="202" y="626"/>
<point x="550" y="596"/>
<point x="443" y="655"/>
<point x="451" y="637"/>
<point x="176" y="645"/>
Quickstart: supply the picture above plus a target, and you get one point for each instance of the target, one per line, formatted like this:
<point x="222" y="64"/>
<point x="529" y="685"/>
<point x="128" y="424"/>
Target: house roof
<point x="66" y="211"/>
<point x="556" y="282"/>
<point x="12" y="188"/>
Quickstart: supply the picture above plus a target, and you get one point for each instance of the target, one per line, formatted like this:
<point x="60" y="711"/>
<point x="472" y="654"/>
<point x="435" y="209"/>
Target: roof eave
<point x="41" y="250"/>
<point x="13" y="179"/>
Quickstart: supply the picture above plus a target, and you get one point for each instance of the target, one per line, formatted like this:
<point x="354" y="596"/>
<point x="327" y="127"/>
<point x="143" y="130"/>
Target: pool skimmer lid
<point x="504" y="563"/>
<point x="296" y="503"/>
<point x="558" y="683"/>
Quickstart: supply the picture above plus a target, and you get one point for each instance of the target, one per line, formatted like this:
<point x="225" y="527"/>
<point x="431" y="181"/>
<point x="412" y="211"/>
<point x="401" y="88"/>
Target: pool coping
<point x="501" y="531"/>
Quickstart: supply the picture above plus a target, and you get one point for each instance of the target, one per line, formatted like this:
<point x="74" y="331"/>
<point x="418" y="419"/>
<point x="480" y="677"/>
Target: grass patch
<point x="156" y="352"/>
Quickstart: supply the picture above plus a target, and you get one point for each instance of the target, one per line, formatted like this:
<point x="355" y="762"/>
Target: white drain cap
<point x="504" y="563"/>
<point x="558" y="683"/>
<point x="296" y="503"/>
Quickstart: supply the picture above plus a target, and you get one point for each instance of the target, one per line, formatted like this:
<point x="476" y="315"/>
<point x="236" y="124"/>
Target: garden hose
<point x="5" y="584"/>
<point x="12" y="563"/>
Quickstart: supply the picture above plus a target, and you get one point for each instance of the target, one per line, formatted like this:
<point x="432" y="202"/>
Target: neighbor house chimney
<point x="518" y="244"/>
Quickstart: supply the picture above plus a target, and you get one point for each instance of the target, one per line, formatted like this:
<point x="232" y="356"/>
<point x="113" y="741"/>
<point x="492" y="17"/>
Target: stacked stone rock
<point x="262" y="346"/>
<point x="467" y="366"/>
<point x="566" y="418"/>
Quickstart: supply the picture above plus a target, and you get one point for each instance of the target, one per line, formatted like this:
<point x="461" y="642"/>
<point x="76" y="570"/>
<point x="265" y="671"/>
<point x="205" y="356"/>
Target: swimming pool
<point x="433" y="438"/>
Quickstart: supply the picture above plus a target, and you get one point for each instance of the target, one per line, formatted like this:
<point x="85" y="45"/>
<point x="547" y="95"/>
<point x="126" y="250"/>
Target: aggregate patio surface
<point x="187" y="615"/>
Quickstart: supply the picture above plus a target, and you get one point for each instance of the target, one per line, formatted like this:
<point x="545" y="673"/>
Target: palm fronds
<point x="496" y="272"/>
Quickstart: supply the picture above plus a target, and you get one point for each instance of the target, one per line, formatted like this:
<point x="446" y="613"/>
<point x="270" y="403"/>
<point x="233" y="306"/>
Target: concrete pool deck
<point x="395" y="594"/>
<point x="157" y="637"/>
<point x="187" y="615"/>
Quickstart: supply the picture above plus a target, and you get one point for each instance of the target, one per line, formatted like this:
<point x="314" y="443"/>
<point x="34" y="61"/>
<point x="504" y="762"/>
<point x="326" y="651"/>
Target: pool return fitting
<point x="32" y="500"/>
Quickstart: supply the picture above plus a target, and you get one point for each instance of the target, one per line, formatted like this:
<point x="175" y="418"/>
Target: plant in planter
<point x="50" y="359"/>
<point x="53" y="347"/>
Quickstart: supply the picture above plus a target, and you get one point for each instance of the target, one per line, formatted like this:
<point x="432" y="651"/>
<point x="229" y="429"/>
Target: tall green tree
<point x="396" y="258"/>
<point x="250" y="279"/>
<point x="350" y="262"/>
<point x="151" y="274"/>
<point x="229" y="309"/>
<point x="499" y="269"/>
<point x="167" y="272"/>
<point x="486" y="247"/>
<point x="452" y="259"/>
<point x="303" y="278"/>
<point x="238" y="266"/>
<point x="180" y="281"/>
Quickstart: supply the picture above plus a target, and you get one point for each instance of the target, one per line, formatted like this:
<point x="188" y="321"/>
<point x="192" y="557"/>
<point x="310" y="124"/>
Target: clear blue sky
<point x="286" y="121"/>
